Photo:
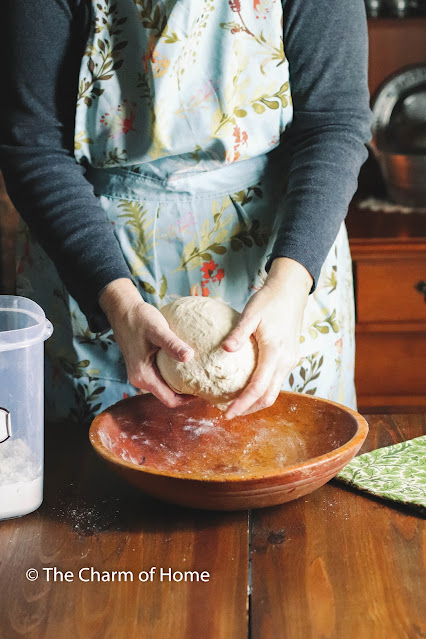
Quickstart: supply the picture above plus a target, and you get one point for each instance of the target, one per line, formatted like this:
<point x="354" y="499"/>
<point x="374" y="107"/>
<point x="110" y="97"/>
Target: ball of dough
<point x="212" y="373"/>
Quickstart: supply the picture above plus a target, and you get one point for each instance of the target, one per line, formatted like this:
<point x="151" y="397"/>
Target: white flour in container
<point x="21" y="479"/>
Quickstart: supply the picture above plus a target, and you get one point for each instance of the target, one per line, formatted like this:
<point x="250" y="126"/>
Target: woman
<point x="217" y="145"/>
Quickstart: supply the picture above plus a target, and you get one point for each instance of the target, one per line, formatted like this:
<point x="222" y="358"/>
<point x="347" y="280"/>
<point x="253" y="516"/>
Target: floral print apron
<point x="180" y="139"/>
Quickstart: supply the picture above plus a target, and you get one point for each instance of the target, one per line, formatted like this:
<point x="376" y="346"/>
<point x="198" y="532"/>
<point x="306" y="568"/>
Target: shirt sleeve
<point x="41" y="45"/>
<point x="326" y="45"/>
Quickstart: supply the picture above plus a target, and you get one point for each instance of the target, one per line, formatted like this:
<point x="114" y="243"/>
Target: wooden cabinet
<point x="389" y="257"/>
<point x="390" y="285"/>
<point x="394" y="43"/>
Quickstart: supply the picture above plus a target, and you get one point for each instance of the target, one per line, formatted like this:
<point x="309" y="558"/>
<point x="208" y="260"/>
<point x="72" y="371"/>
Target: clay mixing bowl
<point x="194" y="457"/>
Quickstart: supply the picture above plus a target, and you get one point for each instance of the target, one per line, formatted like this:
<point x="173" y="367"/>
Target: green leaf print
<point x="330" y="281"/>
<point x="111" y="158"/>
<point x="73" y="368"/>
<point x="80" y="139"/>
<point x="148" y="288"/>
<point x="243" y="197"/>
<point x="395" y="472"/>
<point x="219" y="250"/>
<point x="191" y="41"/>
<point x="163" y="287"/>
<point x="272" y="101"/>
<point x="98" y="390"/>
<point x="239" y="27"/>
<point x="145" y="86"/>
<point x="224" y="118"/>
<point x="85" y="336"/>
<point x="104" y="54"/>
<point x="258" y="107"/>
<point x="309" y="371"/>
<point x="135" y="216"/>
<point x="170" y="39"/>
<point x="236" y="245"/>
<point x="270" y="104"/>
<point x="87" y="394"/>
<point x="151" y="18"/>
<point x="197" y="250"/>
<point x="242" y="236"/>
<point x="323" y="326"/>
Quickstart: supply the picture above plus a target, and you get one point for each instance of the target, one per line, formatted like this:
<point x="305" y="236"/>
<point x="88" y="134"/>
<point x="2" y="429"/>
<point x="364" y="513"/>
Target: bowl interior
<point x="197" y="442"/>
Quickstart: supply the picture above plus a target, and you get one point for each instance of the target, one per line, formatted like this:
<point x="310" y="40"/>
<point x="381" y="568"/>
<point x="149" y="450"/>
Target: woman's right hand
<point x="140" y="331"/>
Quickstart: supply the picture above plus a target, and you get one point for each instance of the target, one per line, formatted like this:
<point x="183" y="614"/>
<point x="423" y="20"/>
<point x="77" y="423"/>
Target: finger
<point x="269" y="398"/>
<point x="247" y="324"/>
<point x="171" y="344"/>
<point x="150" y="380"/>
<point x="286" y="365"/>
<point x="258" y="384"/>
<point x="165" y="394"/>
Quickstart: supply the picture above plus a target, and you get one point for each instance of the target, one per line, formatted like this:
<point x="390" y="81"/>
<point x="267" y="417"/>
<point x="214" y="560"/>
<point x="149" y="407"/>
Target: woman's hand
<point x="140" y="331"/>
<point x="273" y="316"/>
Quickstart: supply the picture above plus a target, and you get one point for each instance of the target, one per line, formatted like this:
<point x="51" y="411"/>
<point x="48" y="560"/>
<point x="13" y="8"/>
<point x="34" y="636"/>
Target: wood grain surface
<point x="389" y="257"/>
<point x="394" y="44"/>
<point x="334" y="564"/>
<point x="91" y="518"/>
<point x="337" y="564"/>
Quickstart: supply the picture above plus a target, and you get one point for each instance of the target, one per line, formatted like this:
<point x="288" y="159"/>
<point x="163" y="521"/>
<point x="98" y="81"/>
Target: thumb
<point x="241" y="333"/>
<point x="173" y="346"/>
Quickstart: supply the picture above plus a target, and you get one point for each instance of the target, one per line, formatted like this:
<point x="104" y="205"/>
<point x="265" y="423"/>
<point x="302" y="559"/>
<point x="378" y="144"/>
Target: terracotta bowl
<point x="194" y="457"/>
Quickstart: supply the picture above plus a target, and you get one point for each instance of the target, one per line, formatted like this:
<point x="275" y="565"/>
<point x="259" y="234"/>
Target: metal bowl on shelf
<point x="405" y="177"/>
<point x="399" y="134"/>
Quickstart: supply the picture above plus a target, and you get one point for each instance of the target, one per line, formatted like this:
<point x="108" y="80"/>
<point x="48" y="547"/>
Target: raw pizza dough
<point x="212" y="373"/>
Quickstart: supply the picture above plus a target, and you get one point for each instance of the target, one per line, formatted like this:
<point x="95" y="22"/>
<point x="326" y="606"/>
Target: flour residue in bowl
<point x="199" y="427"/>
<point x="208" y="447"/>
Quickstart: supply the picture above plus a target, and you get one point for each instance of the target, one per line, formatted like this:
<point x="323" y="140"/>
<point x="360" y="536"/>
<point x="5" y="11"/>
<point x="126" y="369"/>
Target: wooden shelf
<point x="384" y="21"/>
<point x="367" y="227"/>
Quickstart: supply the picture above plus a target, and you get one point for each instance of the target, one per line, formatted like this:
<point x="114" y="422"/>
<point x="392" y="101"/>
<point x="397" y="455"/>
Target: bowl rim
<point x="354" y="442"/>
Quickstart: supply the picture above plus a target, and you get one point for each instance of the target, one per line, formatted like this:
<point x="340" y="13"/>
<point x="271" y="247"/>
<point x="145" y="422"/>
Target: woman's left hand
<point x="273" y="316"/>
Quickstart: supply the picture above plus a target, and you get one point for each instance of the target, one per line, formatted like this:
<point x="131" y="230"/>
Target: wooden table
<point x="333" y="564"/>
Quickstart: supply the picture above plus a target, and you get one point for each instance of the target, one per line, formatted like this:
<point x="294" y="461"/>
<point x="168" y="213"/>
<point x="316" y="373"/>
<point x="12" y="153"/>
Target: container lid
<point x="22" y="323"/>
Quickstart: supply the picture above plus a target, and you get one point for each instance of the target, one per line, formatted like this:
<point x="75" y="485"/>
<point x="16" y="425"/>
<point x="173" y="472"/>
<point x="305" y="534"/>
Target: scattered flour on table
<point x="21" y="479"/>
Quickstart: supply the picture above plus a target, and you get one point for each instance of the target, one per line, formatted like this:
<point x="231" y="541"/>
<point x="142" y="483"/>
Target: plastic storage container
<point x="23" y="329"/>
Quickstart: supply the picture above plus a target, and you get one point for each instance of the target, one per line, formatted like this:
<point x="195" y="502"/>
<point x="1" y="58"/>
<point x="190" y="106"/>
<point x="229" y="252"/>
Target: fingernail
<point x="231" y="343"/>
<point x="184" y="352"/>
<point x="230" y="415"/>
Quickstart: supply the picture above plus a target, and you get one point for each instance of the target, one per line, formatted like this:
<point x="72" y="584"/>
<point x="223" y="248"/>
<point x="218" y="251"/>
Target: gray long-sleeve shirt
<point x="41" y="45"/>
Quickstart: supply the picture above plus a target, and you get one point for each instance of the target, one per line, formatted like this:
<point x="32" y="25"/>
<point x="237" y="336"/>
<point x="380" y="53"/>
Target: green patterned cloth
<point x="396" y="472"/>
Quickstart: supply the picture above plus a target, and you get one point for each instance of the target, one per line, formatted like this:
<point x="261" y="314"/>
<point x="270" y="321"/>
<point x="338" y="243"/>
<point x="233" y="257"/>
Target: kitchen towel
<point x="396" y="472"/>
